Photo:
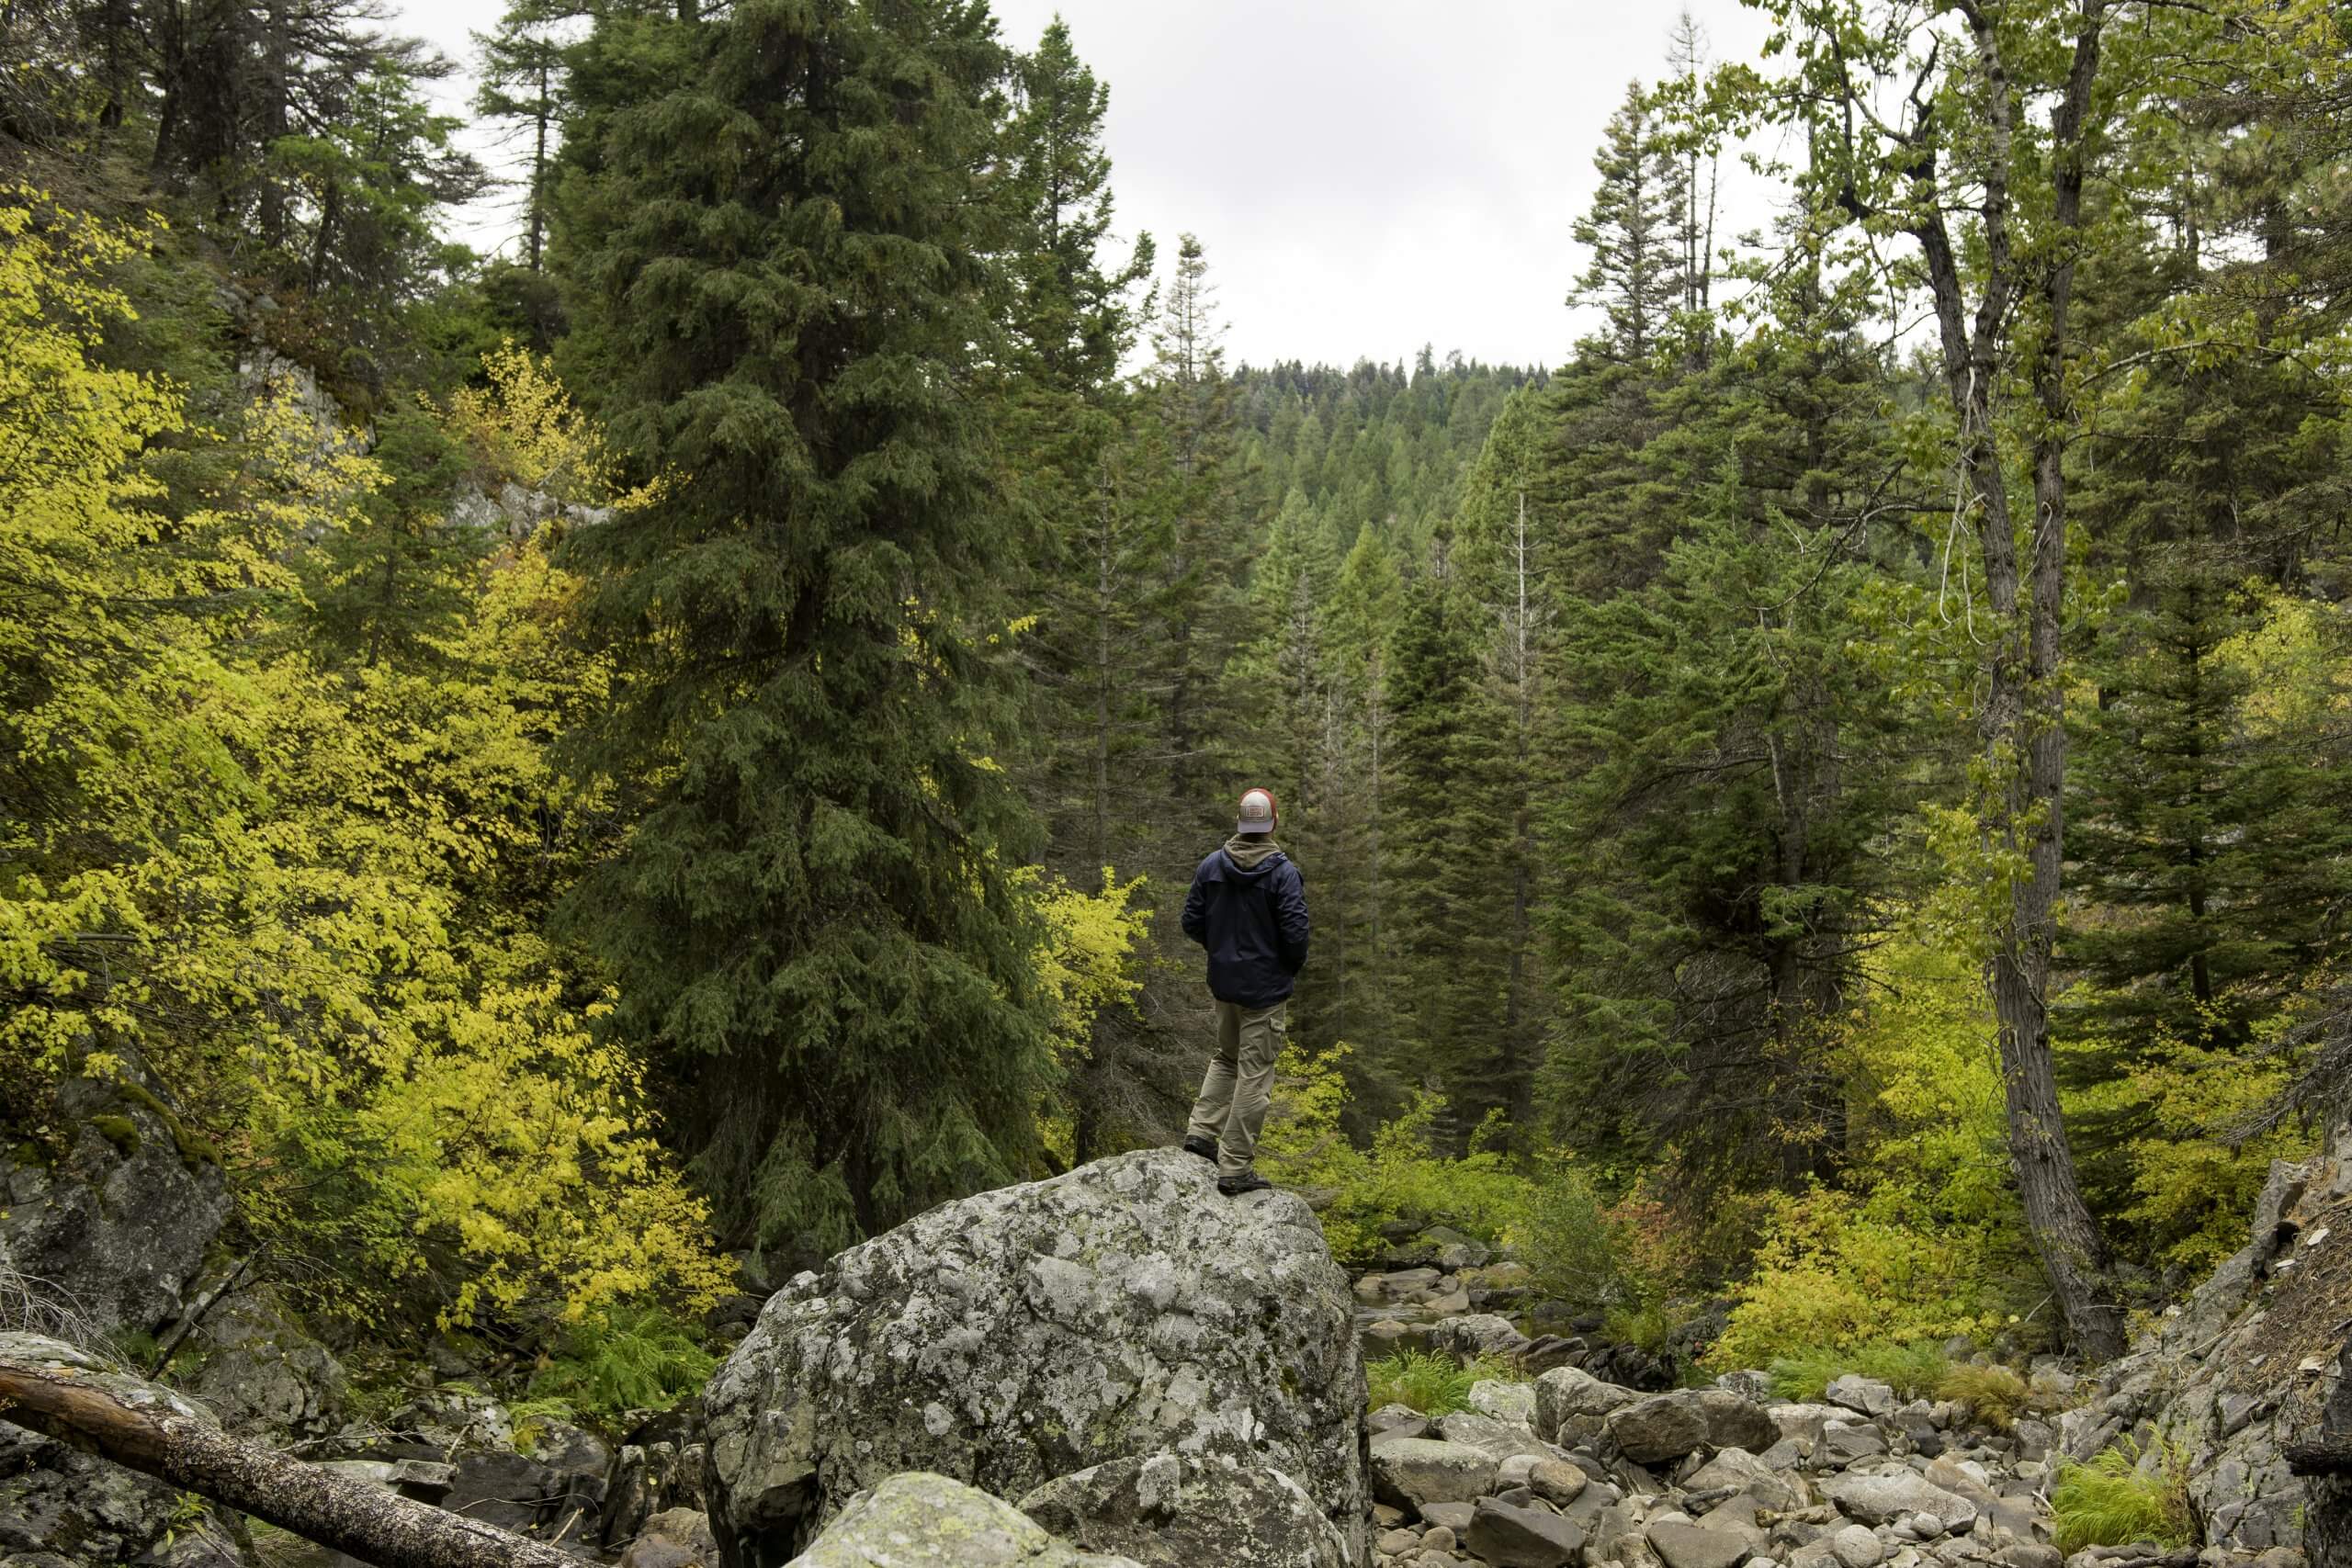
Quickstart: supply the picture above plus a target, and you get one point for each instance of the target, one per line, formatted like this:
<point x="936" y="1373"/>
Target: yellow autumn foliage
<point x="302" y="900"/>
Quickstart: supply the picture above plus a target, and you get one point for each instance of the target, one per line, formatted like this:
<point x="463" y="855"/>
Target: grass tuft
<point x="1995" y="1395"/>
<point x="1432" y="1383"/>
<point x="1912" y="1371"/>
<point x="2119" y="1498"/>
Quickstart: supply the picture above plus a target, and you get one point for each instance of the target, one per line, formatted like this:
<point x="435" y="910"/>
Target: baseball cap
<point x="1258" y="812"/>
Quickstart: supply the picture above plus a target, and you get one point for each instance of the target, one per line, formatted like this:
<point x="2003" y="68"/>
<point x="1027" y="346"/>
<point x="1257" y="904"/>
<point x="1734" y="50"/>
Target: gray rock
<point x="1865" y="1396"/>
<point x="1028" y="1333"/>
<point x="1662" y="1427"/>
<point x="1687" y="1545"/>
<point x="1557" y="1482"/>
<point x="263" y="1374"/>
<point x="1574" y="1403"/>
<point x="1174" y="1511"/>
<point x="1857" y="1546"/>
<point x="1846" y="1444"/>
<point x="1806" y="1423"/>
<point x="1454" y="1516"/>
<point x="922" y="1518"/>
<point x="1511" y="1401"/>
<point x="1497" y="1440"/>
<point x="1413" y="1472"/>
<point x="1477" y="1334"/>
<point x="2030" y="1555"/>
<point x="1882" y="1496"/>
<point x="679" y="1537"/>
<point x="1736" y="1470"/>
<point x="1512" y="1537"/>
<point x="117" y="1231"/>
<point x="1402" y="1420"/>
<point x="1734" y="1420"/>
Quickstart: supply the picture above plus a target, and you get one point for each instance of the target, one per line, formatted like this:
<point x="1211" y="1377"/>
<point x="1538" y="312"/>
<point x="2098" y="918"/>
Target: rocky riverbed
<point x="1119" y="1367"/>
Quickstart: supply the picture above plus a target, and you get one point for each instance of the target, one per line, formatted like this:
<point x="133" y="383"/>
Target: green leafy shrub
<point x="1646" y="1325"/>
<point x="1576" y="1249"/>
<point x="1434" y="1385"/>
<point x="1548" y="1214"/>
<point x="2122" y="1496"/>
<point x="1995" y="1395"/>
<point x="1400" y="1176"/>
<point x="1924" y="1239"/>
<point x="631" y="1359"/>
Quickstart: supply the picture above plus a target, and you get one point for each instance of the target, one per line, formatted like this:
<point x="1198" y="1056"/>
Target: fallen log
<point x="50" y="1387"/>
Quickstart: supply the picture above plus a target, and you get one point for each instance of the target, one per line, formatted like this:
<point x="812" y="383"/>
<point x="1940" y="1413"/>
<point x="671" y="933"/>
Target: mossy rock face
<point x="194" y="1146"/>
<point x="119" y="1131"/>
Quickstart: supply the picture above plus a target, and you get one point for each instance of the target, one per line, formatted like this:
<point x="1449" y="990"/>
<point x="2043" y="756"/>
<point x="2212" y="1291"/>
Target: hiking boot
<point x="1248" y="1181"/>
<point x="1203" y="1148"/>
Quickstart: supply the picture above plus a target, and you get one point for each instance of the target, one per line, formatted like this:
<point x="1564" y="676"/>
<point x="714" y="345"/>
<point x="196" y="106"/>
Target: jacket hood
<point x="1249" y="854"/>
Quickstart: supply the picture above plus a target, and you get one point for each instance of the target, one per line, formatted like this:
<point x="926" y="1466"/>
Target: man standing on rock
<point x="1248" y="906"/>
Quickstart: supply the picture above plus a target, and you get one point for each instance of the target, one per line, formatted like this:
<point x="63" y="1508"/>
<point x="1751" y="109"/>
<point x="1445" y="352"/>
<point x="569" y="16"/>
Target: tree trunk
<point x="152" y="1433"/>
<point x="2021" y="724"/>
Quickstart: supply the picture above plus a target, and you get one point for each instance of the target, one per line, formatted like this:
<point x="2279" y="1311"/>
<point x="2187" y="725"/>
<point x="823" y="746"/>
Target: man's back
<point x="1248" y="908"/>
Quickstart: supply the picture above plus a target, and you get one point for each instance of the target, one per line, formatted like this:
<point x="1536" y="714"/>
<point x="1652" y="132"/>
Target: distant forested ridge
<point x="691" y="733"/>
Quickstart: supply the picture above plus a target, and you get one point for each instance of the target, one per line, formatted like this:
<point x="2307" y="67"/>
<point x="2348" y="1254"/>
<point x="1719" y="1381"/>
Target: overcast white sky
<point x="1368" y="175"/>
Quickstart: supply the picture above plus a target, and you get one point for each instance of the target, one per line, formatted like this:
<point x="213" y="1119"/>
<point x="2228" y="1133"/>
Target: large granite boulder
<point x="117" y="1229"/>
<point x="1170" y="1511"/>
<point x="918" y="1519"/>
<point x="1123" y="1310"/>
<point x="91" y="1512"/>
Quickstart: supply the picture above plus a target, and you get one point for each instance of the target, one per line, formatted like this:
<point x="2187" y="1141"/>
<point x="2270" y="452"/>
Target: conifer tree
<point x="1634" y="229"/>
<point x="521" y="80"/>
<point x="1191" y="398"/>
<point x="1441" y="855"/>
<point x="811" y="915"/>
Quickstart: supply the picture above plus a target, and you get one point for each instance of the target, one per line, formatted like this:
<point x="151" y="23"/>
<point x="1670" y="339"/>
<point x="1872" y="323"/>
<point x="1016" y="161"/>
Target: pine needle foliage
<point x="788" y="272"/>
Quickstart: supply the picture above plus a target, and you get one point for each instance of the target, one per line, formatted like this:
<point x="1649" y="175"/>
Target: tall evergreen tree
<point x="1448" y="989"/>
<point x="1635" y="229"/>
<point x="811" y="916"/>
<point x="521" y="82"/>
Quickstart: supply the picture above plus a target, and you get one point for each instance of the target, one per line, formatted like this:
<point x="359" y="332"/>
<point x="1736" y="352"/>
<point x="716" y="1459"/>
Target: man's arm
<point x="1290" y="915"/>
<point x="1196" y="908"/>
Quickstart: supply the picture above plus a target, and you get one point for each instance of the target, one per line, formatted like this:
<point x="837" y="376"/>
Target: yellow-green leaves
<point x="305" y="904"/>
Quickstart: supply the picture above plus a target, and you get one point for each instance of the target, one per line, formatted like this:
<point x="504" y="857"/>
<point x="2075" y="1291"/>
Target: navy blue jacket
<point x="1253" y="923"/>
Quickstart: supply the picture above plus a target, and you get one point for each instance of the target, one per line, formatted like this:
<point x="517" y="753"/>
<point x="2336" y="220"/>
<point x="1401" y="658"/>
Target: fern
<point x="631" y="1359"/>
<point x="1432" y="1384"/>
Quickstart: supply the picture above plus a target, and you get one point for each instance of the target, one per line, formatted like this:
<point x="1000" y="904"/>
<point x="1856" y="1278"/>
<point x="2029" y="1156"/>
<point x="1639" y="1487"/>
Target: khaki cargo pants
<point x="1240" y="1083"/>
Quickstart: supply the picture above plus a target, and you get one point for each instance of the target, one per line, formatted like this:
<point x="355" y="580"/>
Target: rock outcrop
<point x="108" y="1239"/>
<point x="2244" y="1371"/>
<point x="1119" y="1312"/>
<point x="1173" y="1511"/>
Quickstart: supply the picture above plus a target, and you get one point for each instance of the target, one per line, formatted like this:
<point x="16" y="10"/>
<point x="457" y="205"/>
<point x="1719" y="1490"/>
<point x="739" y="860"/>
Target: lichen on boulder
<point x="1121" y="1311"/>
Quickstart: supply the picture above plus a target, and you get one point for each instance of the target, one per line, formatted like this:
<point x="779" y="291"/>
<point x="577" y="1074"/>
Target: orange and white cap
<point x="1258" y="812"/>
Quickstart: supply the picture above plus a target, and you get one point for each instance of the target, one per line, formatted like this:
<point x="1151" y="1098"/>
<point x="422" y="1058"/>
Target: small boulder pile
<point x="1569" y="1469"/>
<point x="1455" y="1305"/>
